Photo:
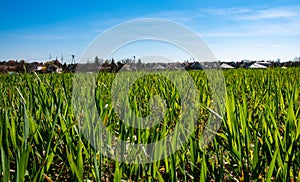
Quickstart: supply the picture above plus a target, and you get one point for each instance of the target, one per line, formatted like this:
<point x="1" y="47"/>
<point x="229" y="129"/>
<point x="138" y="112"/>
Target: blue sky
<point x="234" y="30"/>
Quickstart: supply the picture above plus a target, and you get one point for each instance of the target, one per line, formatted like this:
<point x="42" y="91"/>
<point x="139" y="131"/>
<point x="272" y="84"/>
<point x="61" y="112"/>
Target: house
<point x="34" y="67"/>
<point x="52" y="68"/>
<point x="129" y="67"/>
<point x="257" y="66"/>
<point x="226" y="66"/>
<point x="158" y="67"/>
<point x="264" y="63"/>
<point x="175" y="66"/>
<point x="195" y="66"/>
<point x="12" y="63"/>
<point x="41" y="69"/>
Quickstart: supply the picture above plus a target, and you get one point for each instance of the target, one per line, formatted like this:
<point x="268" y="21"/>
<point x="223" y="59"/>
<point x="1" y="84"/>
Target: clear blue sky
<point x="233" y="29"/>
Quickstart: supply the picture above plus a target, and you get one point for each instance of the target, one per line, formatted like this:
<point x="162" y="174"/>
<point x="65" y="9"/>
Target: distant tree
<point x="296" y="59"/>
<point x="113" y="61"/>
<point x="119" y="63"/>
<point x="278" y="60"/>
<point x="106" y="62"/>
<point x="97" y="61"/>
<point x="127" y="60"/>
<point x="139" y="61"/>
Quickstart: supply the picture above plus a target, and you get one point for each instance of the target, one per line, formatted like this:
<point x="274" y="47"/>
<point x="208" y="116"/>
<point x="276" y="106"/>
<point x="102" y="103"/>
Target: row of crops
<point x="41" y="136"/>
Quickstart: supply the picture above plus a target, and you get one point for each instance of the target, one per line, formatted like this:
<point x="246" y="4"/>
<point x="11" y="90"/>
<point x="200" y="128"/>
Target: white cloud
<point x="280" y="46"/>
<point x="242" y="13"/>
<point x="274" y="13"/>
<point x="45" y="37"/>
<point x="245" y="22"/>
<point x="226" y="11"/>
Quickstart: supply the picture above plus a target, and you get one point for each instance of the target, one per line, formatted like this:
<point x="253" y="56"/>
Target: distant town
<point x="55" y="66"/>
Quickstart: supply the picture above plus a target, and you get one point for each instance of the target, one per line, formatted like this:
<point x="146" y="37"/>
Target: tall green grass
<point x="258" y="140"/>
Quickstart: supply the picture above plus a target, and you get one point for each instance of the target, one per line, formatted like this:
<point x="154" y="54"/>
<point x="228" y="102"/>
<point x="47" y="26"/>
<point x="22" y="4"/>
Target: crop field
<point x="41" y="136"/>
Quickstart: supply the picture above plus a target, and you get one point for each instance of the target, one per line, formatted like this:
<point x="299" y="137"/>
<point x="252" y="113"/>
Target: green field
<point x="257" y="141"/>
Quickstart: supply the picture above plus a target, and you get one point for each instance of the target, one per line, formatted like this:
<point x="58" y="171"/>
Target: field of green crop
<point x="257" y="141"/>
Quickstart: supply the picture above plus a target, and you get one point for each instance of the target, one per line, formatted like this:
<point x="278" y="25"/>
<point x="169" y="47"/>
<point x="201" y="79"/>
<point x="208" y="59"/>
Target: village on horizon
<point x="55" y="66"/>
